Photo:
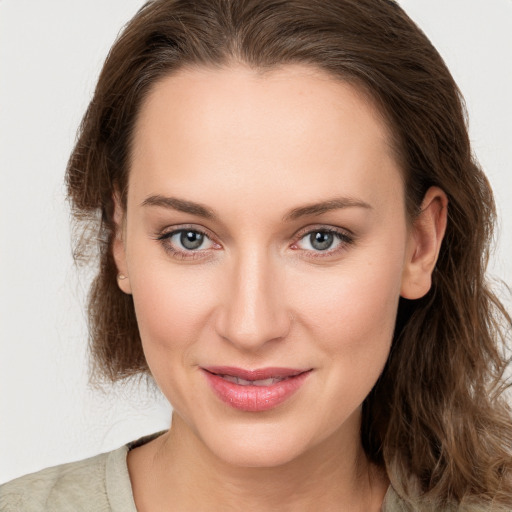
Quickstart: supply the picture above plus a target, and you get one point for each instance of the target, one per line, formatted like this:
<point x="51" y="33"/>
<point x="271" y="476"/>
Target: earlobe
<point x="118" y="247"/>
<point x="424" y="243"/>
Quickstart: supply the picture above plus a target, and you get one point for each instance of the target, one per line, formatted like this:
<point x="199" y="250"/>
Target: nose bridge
<point x="254" y="311"/>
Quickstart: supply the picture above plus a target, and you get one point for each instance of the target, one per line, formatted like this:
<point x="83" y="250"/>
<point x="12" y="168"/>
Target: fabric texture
<point x="97" y="484"/>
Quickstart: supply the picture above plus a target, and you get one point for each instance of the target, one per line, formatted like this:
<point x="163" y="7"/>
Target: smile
<point x="254" y="390"/>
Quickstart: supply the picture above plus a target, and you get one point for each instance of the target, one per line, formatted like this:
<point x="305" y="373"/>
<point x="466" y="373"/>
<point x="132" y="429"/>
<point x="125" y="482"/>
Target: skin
<point x="254" y="149"/>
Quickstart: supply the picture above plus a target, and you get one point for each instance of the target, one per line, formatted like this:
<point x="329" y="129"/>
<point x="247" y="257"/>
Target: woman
<point x="293" y="238"/>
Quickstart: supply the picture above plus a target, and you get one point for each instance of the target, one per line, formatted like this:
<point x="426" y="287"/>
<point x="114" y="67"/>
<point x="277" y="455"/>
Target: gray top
<point x="97" y="484"/>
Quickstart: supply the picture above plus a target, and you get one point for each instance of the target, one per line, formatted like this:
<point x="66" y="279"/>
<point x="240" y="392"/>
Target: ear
<point x="118" y="246"/>
<point x="424" y="243"/>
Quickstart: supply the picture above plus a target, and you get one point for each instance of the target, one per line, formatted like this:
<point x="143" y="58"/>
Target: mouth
<point x="254" y="390"/>
<point x="260" y="382"/>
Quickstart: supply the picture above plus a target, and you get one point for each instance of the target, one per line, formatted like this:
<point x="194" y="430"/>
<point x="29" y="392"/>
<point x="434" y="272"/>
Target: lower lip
<point x="255" y="398"/>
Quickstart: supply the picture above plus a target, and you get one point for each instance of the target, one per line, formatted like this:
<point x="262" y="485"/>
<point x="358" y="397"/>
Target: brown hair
<point x="437" y="419"/>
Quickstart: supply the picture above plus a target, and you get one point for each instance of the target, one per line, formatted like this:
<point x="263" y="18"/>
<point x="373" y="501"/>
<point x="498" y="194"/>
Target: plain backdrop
<point x="50" y="55"/>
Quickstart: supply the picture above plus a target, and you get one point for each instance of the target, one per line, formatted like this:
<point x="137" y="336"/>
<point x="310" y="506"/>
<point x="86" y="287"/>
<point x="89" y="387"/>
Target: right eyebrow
<point x="180" y="205"/>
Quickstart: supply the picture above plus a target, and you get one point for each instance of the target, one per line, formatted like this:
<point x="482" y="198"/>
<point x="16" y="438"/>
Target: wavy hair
<point x="437" y="420"/>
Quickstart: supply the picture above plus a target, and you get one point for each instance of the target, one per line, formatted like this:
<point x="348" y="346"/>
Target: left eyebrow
<point x="337" y="203"/>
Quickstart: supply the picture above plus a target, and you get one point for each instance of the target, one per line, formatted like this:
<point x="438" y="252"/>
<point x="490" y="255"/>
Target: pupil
<point x="191" y="239"/>
<point x="321" y="240"/>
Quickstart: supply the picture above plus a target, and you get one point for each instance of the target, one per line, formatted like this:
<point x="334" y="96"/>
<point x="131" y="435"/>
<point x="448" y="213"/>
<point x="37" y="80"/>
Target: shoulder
<point x="82" y="485"/>
<point x="393" y="503"/>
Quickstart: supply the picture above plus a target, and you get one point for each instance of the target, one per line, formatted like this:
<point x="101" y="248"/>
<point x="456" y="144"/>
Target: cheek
<point x="351" y="316"/>
<point x="172" y="313"/>
<point x="352" y="326"/>
<point x="353" y="302"/>
<point x="171" y="304"/>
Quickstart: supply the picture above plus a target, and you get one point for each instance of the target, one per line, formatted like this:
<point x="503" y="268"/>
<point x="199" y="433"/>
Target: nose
<point x="253" y="310"/>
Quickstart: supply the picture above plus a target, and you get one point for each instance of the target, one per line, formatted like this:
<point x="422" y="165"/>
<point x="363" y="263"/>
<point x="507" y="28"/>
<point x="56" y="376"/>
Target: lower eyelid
<point x="181" y="253"/>
<point x="342" y="237"/>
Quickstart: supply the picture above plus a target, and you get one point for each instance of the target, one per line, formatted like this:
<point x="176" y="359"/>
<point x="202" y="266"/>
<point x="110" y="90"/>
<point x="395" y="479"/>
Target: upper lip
<point x="257" y="374"/>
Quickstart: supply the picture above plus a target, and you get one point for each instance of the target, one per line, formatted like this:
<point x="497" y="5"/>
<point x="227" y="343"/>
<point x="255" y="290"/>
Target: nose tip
<point x="253" y="329"/>
<point x="254" y="312"/>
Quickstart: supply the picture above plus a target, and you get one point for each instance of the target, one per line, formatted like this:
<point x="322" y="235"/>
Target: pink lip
<point x="254" y="398"/>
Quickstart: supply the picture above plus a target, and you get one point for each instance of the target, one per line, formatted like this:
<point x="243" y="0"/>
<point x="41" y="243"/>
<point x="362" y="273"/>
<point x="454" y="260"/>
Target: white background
<point x="50" y="55"/>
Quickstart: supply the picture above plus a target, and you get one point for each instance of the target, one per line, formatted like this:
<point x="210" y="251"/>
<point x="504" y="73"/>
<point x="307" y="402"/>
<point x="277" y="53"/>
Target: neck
<point x="184" y="473"/>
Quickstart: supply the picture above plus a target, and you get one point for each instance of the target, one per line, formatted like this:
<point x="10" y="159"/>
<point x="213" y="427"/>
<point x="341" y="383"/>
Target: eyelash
<point x="164" y="239"/>
<point x="344" y="238"/>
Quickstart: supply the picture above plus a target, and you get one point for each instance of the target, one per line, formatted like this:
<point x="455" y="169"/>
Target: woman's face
<point x="265" y="230"/>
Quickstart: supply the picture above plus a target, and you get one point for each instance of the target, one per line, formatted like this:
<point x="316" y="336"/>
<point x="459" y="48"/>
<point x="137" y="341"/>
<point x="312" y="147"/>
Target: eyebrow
<point x="180" y="205"/>
<point x="336" y="203"/>
<point x="200" y="210"/>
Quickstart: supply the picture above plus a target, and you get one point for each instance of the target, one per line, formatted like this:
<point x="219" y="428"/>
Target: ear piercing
<point x="121" y="276"/>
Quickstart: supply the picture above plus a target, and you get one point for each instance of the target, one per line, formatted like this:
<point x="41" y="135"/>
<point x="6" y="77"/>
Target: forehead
<point x="294" y="124"/>
<point x="211" y="94"/>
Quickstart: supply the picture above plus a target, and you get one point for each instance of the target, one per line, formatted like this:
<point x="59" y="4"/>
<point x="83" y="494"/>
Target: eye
<point x="186" y="242"/>
<point x="323" y="240"/>
<point x="320" y="240"/>
<point x="189" y="240"/>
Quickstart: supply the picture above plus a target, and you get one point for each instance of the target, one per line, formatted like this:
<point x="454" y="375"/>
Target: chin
<point x="265" y="443"/>
<point x="269" y="454"/>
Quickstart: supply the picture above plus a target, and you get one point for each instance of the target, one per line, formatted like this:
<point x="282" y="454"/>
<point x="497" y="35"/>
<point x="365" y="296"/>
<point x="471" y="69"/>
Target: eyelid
<point x="323" y="227"/>
<point x="346" y="238"/>
<point x="163" y="237"/>
<point x="170" y="230"/>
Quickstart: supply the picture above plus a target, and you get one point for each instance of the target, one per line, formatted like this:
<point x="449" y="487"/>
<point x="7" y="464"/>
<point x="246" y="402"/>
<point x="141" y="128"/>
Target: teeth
<point x="266" y="382"/>
<point x="234" y="380"/>
<point x="243" y="382"/>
